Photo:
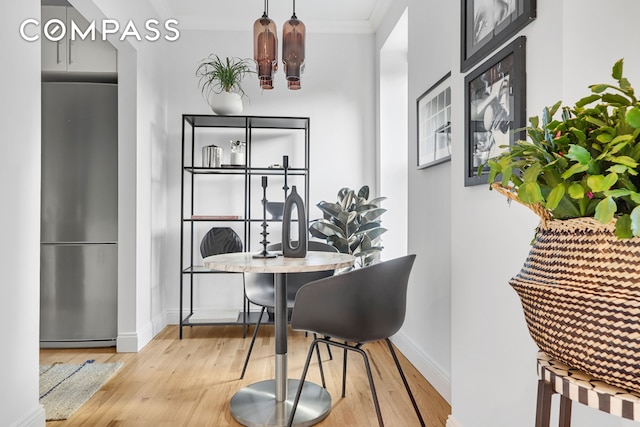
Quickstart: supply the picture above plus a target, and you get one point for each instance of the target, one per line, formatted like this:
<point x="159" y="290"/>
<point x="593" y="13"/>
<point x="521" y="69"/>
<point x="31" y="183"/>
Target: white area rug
<point x="65" y="387"/>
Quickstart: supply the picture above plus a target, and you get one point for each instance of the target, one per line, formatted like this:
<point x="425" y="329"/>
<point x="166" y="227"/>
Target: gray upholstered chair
<point x="259" y="290"/>
<point x="363" y="305"/>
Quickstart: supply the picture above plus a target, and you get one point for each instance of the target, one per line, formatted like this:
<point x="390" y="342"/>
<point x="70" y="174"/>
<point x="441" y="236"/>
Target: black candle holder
<point x="264" y="253"/>
<point x="285" y="166"/>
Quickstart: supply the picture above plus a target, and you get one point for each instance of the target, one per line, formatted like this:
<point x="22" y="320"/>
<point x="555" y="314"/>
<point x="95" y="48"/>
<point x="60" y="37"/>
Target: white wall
<point x="392" y="134"/>
<point x="141" y="174"/>
<point x="337" y="94"/>
<point x="20" y="219"/>
<point x="493" y="356"/>
<point x="426" y="335"/>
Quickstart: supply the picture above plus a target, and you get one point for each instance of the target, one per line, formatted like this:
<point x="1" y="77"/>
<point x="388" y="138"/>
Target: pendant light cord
<point x="266" y="7"/>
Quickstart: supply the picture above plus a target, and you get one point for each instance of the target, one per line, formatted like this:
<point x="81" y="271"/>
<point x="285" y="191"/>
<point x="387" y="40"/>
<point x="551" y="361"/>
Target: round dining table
<point x="269" y="402"/>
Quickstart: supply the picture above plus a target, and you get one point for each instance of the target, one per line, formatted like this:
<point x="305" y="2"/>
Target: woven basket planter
<point x="580" y="291"/>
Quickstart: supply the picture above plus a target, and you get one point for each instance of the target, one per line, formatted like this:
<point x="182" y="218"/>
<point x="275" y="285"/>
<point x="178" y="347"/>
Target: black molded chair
<point x="363" y="305"/>
<point x="223" y="240"/>
<point x="220" y="240"/>
<point x="259" y="290"/>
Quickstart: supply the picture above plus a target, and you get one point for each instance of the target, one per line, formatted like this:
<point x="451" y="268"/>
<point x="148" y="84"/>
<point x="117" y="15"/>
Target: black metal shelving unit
<point x="243" y="127"/>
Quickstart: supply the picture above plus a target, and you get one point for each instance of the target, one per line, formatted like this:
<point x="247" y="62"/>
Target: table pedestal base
<point x="255" y="405"/>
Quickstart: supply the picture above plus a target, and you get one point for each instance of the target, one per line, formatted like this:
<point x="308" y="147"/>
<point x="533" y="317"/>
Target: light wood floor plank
<point x="188" y="383"/>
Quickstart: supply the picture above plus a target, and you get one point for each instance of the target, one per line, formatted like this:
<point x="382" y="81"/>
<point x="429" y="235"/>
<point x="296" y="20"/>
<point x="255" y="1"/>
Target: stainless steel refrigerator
<point x="79" y="215"/>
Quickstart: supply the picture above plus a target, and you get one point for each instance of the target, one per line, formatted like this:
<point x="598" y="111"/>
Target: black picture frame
<point x="434" y="124"/>
<point x="495" y="104"/>
<point x="486" y="24"/>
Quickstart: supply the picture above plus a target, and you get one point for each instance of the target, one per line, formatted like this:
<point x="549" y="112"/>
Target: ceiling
<point x="335" y="16"/>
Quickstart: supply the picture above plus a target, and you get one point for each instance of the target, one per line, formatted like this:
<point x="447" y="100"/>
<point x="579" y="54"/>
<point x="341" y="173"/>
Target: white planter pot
<point x="226" y="103"/>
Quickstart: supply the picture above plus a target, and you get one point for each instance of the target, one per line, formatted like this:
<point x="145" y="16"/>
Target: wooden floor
<point x="189" y="382"/>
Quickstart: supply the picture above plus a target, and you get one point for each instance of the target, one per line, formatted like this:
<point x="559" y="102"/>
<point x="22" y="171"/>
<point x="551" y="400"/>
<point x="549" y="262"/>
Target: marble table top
<point x="239" y="262"/>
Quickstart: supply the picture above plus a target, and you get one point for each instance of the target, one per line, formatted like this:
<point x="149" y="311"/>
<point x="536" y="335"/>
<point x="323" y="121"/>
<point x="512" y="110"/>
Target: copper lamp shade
<point x="293" y="84"/>
<point x="293" y="38"/>
<point x="265" y="49"/>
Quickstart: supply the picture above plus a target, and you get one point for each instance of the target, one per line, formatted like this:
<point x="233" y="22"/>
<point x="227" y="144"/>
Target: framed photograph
<point x="494" y="108"/>
<point x="434" y="124"/>
<point x="486" y="24"/>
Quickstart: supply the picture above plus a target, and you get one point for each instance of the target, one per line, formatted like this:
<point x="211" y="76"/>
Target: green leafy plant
<point x="352" y="224"/>
<point x="584" y="164"/>
<point x="217" y="75"/>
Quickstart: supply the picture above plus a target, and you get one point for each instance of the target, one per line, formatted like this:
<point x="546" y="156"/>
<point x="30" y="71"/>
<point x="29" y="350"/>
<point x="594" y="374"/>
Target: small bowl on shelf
<point x="276" y="209"/>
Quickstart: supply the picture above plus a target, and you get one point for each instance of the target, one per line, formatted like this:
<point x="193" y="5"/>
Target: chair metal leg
<point x="253" y="340"/>
<point x="245" y="309"/>
<point x="371" y="385"/>
<point x="543" y="407"/>
<point x="404" y="380"/>
<point x="344" y="371"/>
<point x="301" y="384"/>
<point x="357" y="347"/>
<point x="306" y="334"/>
<point x="324" y="385"/>
<point x="565" y="412"/>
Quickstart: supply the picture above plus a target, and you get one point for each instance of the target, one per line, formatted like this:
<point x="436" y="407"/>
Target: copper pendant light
<point x="293" y="39"/>
<point x="265" y="48"/>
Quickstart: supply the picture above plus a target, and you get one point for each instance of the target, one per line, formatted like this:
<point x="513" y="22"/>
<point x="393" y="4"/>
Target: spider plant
<point x="217" y="75"/>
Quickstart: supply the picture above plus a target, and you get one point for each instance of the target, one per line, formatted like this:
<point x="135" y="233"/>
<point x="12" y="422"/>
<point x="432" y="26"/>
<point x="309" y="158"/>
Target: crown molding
<point x="378" y="13"/>
<point x="208" y="23"/>
<point x="162" y="8"/>
<point x="332" y="27"/>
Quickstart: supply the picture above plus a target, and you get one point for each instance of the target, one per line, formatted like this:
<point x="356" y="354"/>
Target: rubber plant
<point x="584" y="164"/>
<point x="352" y="225"/>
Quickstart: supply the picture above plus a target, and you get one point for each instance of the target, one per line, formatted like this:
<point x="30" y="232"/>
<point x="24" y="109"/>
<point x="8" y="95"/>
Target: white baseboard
<point x="145" y="335"/>
<point x="159" y="322"/>
<point x="35" y="419"/>
<point x="133" y="342"/>
<point x="427" y="367"/>
<point x="127" y="342"/>
<point x="173" y="317"/>
<point x="452" y="422"/>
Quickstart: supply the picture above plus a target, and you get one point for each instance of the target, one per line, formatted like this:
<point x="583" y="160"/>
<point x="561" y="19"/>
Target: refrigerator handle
<point x="58" y="52"/>
<point x="77" y="243"/>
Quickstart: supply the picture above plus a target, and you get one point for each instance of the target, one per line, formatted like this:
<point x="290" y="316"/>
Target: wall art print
<point x="495" y="114"/>
<point x="486" y="24"/>
<point x="434" y="124"/>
